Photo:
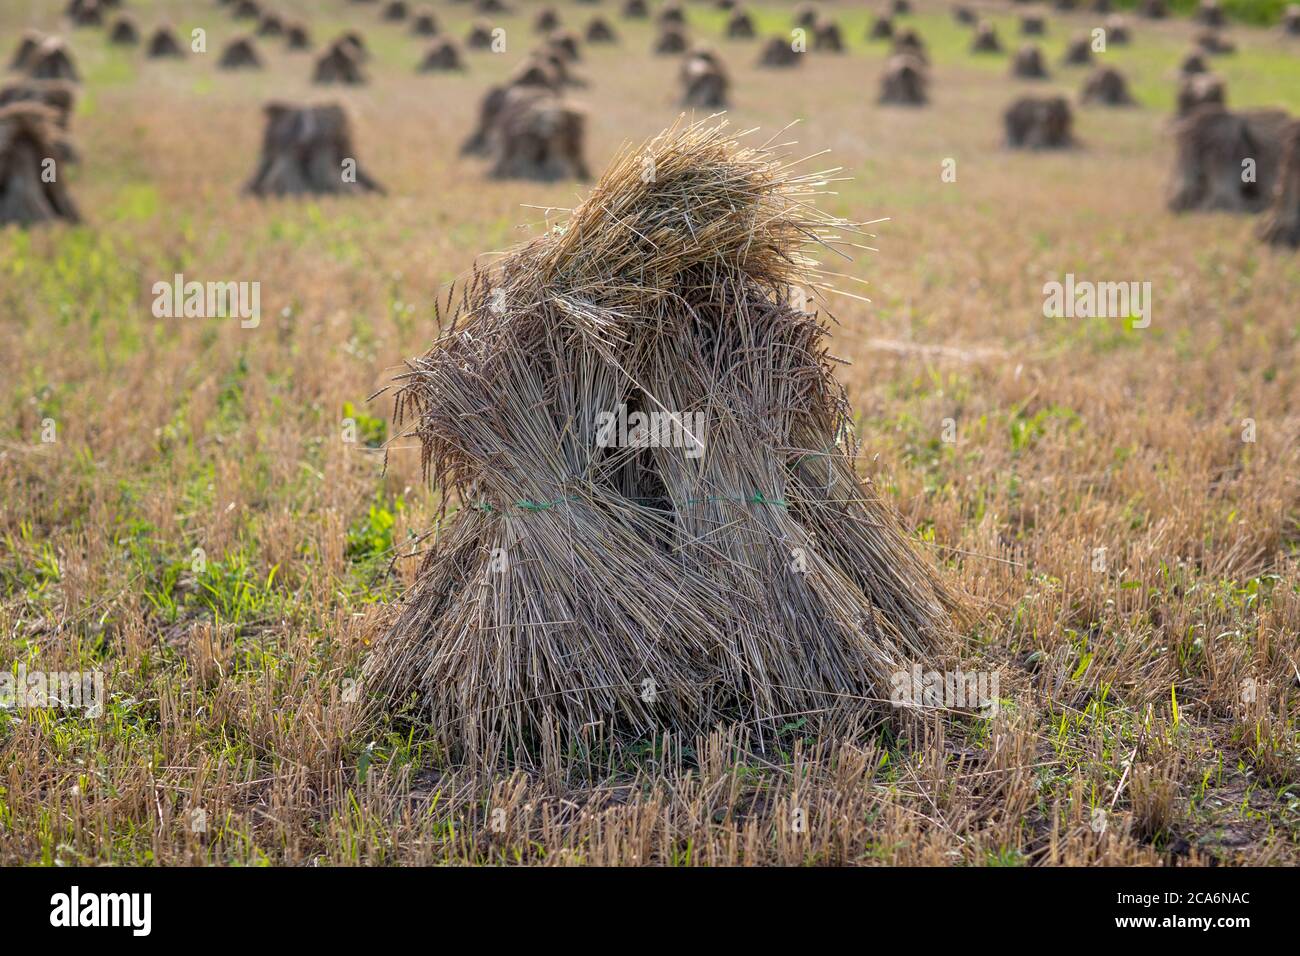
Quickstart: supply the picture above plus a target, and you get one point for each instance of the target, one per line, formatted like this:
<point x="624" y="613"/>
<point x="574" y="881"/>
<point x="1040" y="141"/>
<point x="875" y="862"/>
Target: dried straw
<point x="572" y="586"/>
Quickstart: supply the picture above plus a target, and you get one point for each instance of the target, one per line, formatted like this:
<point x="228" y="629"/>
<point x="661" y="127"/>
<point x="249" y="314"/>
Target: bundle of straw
<point x="747" y="574"/>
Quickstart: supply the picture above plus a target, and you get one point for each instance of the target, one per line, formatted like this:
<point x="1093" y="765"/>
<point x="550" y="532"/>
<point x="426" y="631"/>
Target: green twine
<point x="525" y="505"/>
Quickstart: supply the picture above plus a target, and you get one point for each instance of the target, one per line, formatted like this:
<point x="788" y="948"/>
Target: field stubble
<point x="1149" y="695"/>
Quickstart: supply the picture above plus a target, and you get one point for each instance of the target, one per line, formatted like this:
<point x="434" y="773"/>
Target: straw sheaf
<point x="691" y="199"/>
<point x="669" y="290"/>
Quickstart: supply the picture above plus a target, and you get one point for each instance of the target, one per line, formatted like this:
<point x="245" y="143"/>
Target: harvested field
<point x="213" y="512"/>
